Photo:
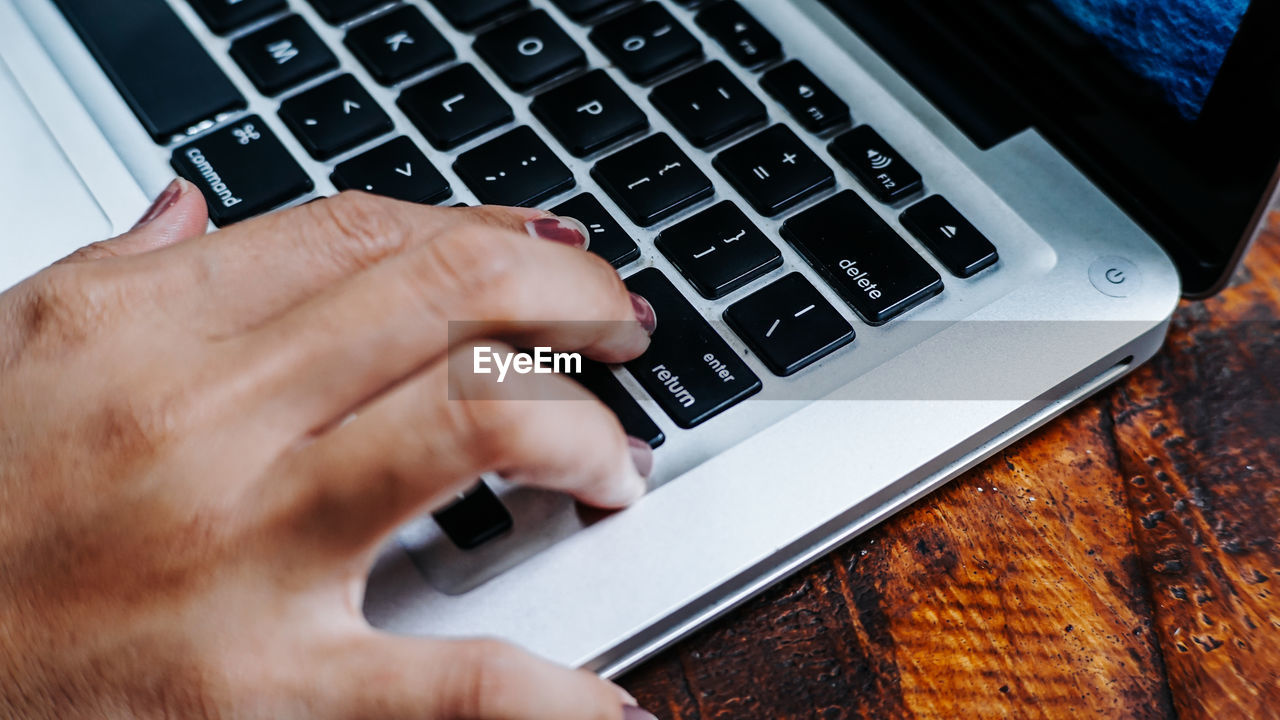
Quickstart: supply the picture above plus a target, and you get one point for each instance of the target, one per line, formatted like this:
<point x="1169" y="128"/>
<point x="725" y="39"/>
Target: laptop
<point x="883" y="239"/>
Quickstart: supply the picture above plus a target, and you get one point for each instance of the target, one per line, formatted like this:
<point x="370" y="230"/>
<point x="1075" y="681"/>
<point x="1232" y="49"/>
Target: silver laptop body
<point x="1081" y="295"/>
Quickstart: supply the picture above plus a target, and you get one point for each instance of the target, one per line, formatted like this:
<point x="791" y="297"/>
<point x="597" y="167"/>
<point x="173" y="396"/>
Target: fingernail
<point x="563" y="230"/>
<point x="641" y="455"/>
<point x="163" y="202"/>
<point x="631" y="712"/>
<point x="644" y="313"/>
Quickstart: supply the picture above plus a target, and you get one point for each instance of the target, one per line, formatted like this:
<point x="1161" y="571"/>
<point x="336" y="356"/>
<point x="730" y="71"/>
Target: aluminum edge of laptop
<point x="627" y="586"/>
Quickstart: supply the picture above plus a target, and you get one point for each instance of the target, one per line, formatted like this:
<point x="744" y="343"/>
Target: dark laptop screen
<point x="1169" y="105"/>
<point x="1176" y="45"/>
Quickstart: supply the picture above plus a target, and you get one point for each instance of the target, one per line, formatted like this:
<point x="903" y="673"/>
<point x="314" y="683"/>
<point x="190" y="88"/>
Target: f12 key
<point x="880" y="169"/>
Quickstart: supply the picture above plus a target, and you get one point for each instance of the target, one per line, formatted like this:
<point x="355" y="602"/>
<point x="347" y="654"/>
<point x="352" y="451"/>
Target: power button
<point x="1115" y="276"/>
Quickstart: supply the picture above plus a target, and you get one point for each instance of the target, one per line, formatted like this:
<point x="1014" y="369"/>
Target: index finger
<point x="262" y="267"/>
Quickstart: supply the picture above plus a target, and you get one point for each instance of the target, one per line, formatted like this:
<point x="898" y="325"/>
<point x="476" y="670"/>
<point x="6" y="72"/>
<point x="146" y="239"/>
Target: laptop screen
<point x="1168" y="105"/>
<point x="1176" y="45"/>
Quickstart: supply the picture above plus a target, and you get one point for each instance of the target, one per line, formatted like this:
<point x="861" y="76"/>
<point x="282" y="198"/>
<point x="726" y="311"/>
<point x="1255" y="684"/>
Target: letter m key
<point x="283" y="51"/>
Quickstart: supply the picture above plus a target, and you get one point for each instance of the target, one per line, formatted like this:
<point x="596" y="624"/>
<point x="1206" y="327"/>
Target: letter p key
<point x="595" y="107"/>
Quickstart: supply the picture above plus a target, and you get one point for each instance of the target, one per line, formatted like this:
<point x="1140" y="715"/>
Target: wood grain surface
<point x="1123" y="562"/>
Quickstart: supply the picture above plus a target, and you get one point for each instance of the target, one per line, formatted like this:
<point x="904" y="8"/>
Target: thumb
<point x="401" y="678"/>
<point x="178" y="213"/>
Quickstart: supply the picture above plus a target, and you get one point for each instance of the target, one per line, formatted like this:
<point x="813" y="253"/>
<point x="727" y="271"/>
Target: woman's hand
<point x="203" y="439"/>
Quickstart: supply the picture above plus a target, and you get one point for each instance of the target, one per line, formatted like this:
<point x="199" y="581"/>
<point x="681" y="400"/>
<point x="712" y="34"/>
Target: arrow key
<point x="396" y="169"/>
<point x="334" y="117"/>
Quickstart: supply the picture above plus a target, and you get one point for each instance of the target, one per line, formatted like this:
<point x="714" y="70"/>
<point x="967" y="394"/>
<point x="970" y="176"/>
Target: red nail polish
<point x="565" y="231"/>
<point x="644" y="313"/>
<point x="162" y="203"/>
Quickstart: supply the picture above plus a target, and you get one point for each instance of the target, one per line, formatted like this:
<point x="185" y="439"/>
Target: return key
<point x="689" y="369"/>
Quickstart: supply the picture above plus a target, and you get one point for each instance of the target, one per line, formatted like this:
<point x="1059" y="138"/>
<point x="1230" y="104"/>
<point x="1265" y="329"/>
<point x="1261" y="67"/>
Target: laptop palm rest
<point x="33" y="171"/>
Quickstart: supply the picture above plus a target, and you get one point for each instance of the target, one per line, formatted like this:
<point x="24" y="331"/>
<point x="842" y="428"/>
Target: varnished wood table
<point x="1122" y="562"/>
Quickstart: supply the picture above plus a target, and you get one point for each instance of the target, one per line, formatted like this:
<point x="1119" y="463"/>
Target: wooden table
<point x="1121" y="562"/>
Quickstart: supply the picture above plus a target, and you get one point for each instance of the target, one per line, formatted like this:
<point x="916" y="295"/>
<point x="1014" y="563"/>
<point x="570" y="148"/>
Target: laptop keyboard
<point x="717" y="107"/>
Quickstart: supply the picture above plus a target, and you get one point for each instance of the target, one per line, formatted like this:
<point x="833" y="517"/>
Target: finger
<point x="398" y="678"/>
<point x="264" y="266"/>
<point x="418" y="446"/>
<point x="178" y="213"/>
<point x="322" y="359"/>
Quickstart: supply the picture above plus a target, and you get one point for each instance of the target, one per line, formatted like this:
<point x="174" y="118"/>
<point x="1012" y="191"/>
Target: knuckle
<point x="61" y="305"/>
<point x="493" y="216"/>
<point x="478" y="265"/>
<point x="93" y="251"/>
<point x="131" y="428"/>
<point x="368" y="227"/>
<point x="489" y="429"/>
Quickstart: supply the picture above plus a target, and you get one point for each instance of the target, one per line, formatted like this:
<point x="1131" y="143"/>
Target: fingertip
<point x="628" y="483"/>
<point x="178" y="212"/>
<point x="626" y="698"/>
<point x="641" y="456"/>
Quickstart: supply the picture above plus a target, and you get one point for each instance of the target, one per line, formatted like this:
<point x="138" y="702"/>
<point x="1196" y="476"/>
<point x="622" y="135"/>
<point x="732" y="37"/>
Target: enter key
<point x="688" y="369"/>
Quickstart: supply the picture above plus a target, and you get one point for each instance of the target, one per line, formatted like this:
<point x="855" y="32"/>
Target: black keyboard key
<point x="608" y="239"/>
<point x="774" y="170"/>
<point x="708" y="104"/>
<point x="880" y="169"/>
<point x="689" y="369"/>
<point x="340" y="11"/>
<point x="807" y="98"/>
<point x="950" y="236"/>
<point x="398" y="44"/>
<point x="719" y="250"/>
<point x="474" y="519"/>
<point x="589" y="113"/>
<point x="652" y="180"/>
<point x="470" y="14"/>
<point x="454" y="107"/>
<point x="242" y="169"/>
<point x="223" y="16"/>
<point x="646" y="43"/>
<point x="529" y="50"/>
<point x="867" y="263"/>
<point x="168" y="79"/>
<point x="584" y="10"/>
<point x="789" y="325"/>
<point x="635" y="421"/>
<point x="334" y="117"/>
<point x="282" y="55"/>
<point x="740" y="34"/>
<point x="396" y="169"/>
<point x="516" y="169"/>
